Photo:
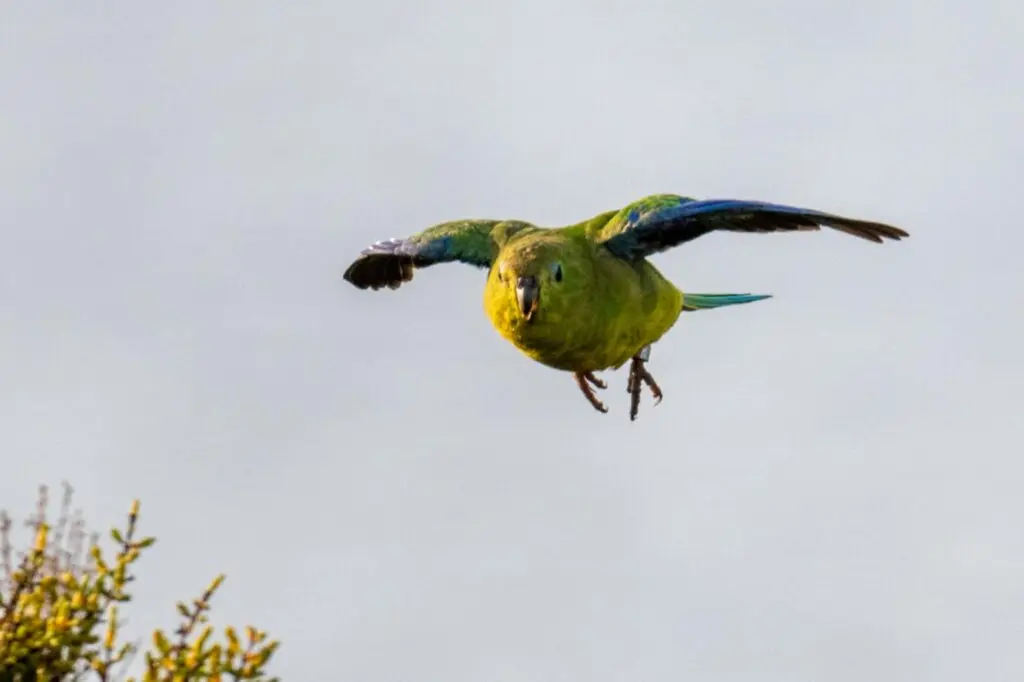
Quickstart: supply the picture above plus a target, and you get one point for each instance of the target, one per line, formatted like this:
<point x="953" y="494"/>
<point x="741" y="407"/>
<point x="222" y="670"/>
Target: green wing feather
<point x="391" y="262"/>
<point x="623" y="220"/>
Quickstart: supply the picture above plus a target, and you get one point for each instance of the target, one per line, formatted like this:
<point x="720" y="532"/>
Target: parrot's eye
<point x="558" y="272"/>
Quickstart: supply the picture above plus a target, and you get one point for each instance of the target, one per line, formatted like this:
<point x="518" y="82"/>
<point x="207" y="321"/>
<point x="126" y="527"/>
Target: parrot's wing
<point x="390" y="263"/>
<point x="661" y="221"/>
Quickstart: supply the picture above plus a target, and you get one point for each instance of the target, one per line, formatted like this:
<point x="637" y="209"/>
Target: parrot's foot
<point x="587" y="382"/>
<point x="638" y="376"/>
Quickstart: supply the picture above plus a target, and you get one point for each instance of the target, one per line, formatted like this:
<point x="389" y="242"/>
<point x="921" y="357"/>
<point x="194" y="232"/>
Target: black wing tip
<point x="374" y="270"/>
<point x="873" y="232"/>
<point x="895" y="233"/>
<point x="865" y="229"/>
<point x="806" y="220"/>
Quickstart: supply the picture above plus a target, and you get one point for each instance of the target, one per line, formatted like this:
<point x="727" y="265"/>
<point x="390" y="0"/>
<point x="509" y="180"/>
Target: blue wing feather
<point x="661" y="221"/>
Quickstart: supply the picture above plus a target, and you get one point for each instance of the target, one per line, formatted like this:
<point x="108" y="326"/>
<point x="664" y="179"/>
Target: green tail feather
<point x="693" y="302"/>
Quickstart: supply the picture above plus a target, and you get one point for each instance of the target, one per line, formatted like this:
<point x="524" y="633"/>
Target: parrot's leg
<point x="584" y="381"/>
<point x="638" y="376"/>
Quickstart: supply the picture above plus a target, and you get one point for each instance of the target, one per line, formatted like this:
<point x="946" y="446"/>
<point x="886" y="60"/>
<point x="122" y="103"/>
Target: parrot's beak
<point x="527" y="294"/>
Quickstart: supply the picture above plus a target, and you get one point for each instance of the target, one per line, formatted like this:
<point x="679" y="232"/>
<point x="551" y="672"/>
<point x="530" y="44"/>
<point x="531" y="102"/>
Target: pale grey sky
<point x="831" y="489"/>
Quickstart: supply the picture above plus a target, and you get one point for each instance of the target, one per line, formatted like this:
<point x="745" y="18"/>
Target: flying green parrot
<point x="585" y="298"/>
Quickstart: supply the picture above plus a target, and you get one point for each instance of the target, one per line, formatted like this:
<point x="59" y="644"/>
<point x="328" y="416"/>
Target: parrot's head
<point x="532" y="281"/>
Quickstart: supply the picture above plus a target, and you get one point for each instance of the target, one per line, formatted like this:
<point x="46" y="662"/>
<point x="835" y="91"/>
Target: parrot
<point x="585" y="298"/>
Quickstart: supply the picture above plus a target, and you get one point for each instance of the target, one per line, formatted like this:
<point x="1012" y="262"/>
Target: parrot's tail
<point x="693" y="302"/>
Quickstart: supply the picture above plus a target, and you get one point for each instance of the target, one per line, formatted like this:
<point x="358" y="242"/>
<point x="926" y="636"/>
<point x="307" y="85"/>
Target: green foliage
<point x="60" y="605"/>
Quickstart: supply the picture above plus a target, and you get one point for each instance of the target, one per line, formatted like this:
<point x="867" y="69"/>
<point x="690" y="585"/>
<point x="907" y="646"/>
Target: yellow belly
<point x="591" y="326"/>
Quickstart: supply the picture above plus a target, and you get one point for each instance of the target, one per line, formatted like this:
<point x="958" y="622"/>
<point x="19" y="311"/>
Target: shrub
<point x="60" y="607"/>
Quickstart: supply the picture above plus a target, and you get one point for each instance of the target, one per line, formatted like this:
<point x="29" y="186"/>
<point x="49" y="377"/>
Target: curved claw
<point x="597" y="383"/>
<point x="583" y="381"/>
<point x="646" y="377"/>
<point x="638" y="375"/>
